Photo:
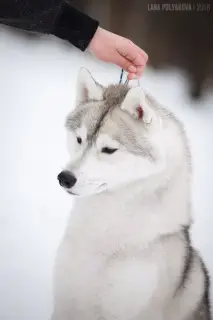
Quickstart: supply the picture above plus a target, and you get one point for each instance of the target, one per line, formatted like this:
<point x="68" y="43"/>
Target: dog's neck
<point x="149" y="209"/>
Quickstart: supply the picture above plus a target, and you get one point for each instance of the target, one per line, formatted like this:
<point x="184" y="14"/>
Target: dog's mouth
<point x="72" y="193"/>
<point x="99" y="189"/>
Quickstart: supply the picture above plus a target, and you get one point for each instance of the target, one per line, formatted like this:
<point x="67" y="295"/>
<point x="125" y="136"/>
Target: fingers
<point x="145" y="57"/>
<point x="133" y="71"/>
<point x="125" y="64"/>
<point x="132" y="76"/>
<point x="134" y="56"/>
<point x="143" y="53"/>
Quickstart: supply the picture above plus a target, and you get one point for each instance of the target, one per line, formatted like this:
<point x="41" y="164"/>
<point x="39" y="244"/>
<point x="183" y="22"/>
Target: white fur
<point x="87" y="88"/>
<point x="135" y="98"/>
<point x="112" y="263"/>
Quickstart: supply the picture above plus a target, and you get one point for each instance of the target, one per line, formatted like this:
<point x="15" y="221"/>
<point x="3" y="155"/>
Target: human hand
<point x="113" y="48"/>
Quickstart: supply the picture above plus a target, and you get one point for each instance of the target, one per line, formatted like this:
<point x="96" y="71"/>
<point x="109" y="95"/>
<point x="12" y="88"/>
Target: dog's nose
<point x="67" y="179"/>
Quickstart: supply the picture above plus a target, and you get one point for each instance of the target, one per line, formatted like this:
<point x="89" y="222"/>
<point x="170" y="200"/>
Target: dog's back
<point x="126" y="253"/>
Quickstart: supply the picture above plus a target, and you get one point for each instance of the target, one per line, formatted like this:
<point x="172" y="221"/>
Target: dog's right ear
<point x="136" y="105"/>
<point x="87" y="87"/>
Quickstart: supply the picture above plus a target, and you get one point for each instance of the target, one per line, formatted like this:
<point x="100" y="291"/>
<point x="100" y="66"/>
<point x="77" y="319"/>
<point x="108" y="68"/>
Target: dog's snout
<point x="67" y="179"/>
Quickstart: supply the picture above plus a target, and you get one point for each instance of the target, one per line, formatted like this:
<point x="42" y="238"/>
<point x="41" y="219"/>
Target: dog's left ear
<point x="87" y="87"/>
<point x="136" y="105"/>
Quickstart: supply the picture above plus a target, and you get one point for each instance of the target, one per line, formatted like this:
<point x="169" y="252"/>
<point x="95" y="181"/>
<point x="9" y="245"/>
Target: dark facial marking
<point x="79" y="140"/>
<point x="93" y="117"/>
<point x="108" y="150"/>
<point x="188" y="258"/>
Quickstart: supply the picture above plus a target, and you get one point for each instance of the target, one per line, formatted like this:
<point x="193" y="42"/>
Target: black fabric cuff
<point x="75" y="27"/>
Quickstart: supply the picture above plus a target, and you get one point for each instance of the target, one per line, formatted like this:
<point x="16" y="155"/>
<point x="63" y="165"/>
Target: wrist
<point x="95" y="41"/>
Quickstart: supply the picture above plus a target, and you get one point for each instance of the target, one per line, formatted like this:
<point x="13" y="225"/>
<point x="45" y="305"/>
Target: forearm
<point x="76" y="27"/>
<point x="49" y="16"/>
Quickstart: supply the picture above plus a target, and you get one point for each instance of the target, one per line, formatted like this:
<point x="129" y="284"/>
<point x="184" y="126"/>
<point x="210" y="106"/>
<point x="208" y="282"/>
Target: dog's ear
<point x="87" y="87"/>
<point x="136" y="105"/>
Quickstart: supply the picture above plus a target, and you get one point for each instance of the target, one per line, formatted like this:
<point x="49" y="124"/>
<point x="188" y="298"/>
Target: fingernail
<point x="132" y="69"/>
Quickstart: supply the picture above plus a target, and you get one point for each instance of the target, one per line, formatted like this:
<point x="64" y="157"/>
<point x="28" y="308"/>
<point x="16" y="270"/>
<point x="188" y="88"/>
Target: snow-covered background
<point x="37" y="89"/>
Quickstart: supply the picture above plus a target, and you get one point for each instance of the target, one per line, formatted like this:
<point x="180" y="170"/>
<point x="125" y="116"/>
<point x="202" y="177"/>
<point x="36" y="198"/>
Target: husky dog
<point x="126" y="253"/>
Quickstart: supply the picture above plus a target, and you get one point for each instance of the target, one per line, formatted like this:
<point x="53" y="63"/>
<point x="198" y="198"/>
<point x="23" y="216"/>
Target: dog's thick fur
<point x="126" y="253"/>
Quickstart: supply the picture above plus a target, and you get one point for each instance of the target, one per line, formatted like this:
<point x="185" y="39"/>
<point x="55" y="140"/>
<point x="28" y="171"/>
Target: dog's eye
<point x="108" y="150"/>
<point x="79" y="140"/>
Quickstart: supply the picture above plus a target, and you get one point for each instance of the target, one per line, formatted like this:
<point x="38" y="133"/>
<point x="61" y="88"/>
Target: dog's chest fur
<point x="105" y="270"/>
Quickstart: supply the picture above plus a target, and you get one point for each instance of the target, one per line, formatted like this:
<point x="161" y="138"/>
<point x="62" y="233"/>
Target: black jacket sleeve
<point x="55" y="17"/>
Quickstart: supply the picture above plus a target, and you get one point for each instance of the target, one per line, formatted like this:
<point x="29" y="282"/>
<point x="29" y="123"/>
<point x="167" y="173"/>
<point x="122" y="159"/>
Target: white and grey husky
<point x="126" y="253"/>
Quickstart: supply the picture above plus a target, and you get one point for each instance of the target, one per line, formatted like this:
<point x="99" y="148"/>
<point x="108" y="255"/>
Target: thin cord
<point x="121" y="76"/>
<point x="127" y="81"/>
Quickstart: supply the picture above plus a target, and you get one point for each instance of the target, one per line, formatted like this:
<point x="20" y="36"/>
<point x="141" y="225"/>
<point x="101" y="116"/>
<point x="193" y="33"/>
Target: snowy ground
<point x="37" y="88"/>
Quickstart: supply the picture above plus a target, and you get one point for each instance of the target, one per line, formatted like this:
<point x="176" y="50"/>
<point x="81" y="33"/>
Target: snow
<point x="37" y="90"/>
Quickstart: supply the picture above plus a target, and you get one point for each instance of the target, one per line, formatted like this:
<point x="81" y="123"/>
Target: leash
<point x="121" y="78"/>
<point x="127" y="81"/>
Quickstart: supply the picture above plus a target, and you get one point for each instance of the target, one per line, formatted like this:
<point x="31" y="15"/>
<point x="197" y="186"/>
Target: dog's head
<point x="115" y="137"/>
